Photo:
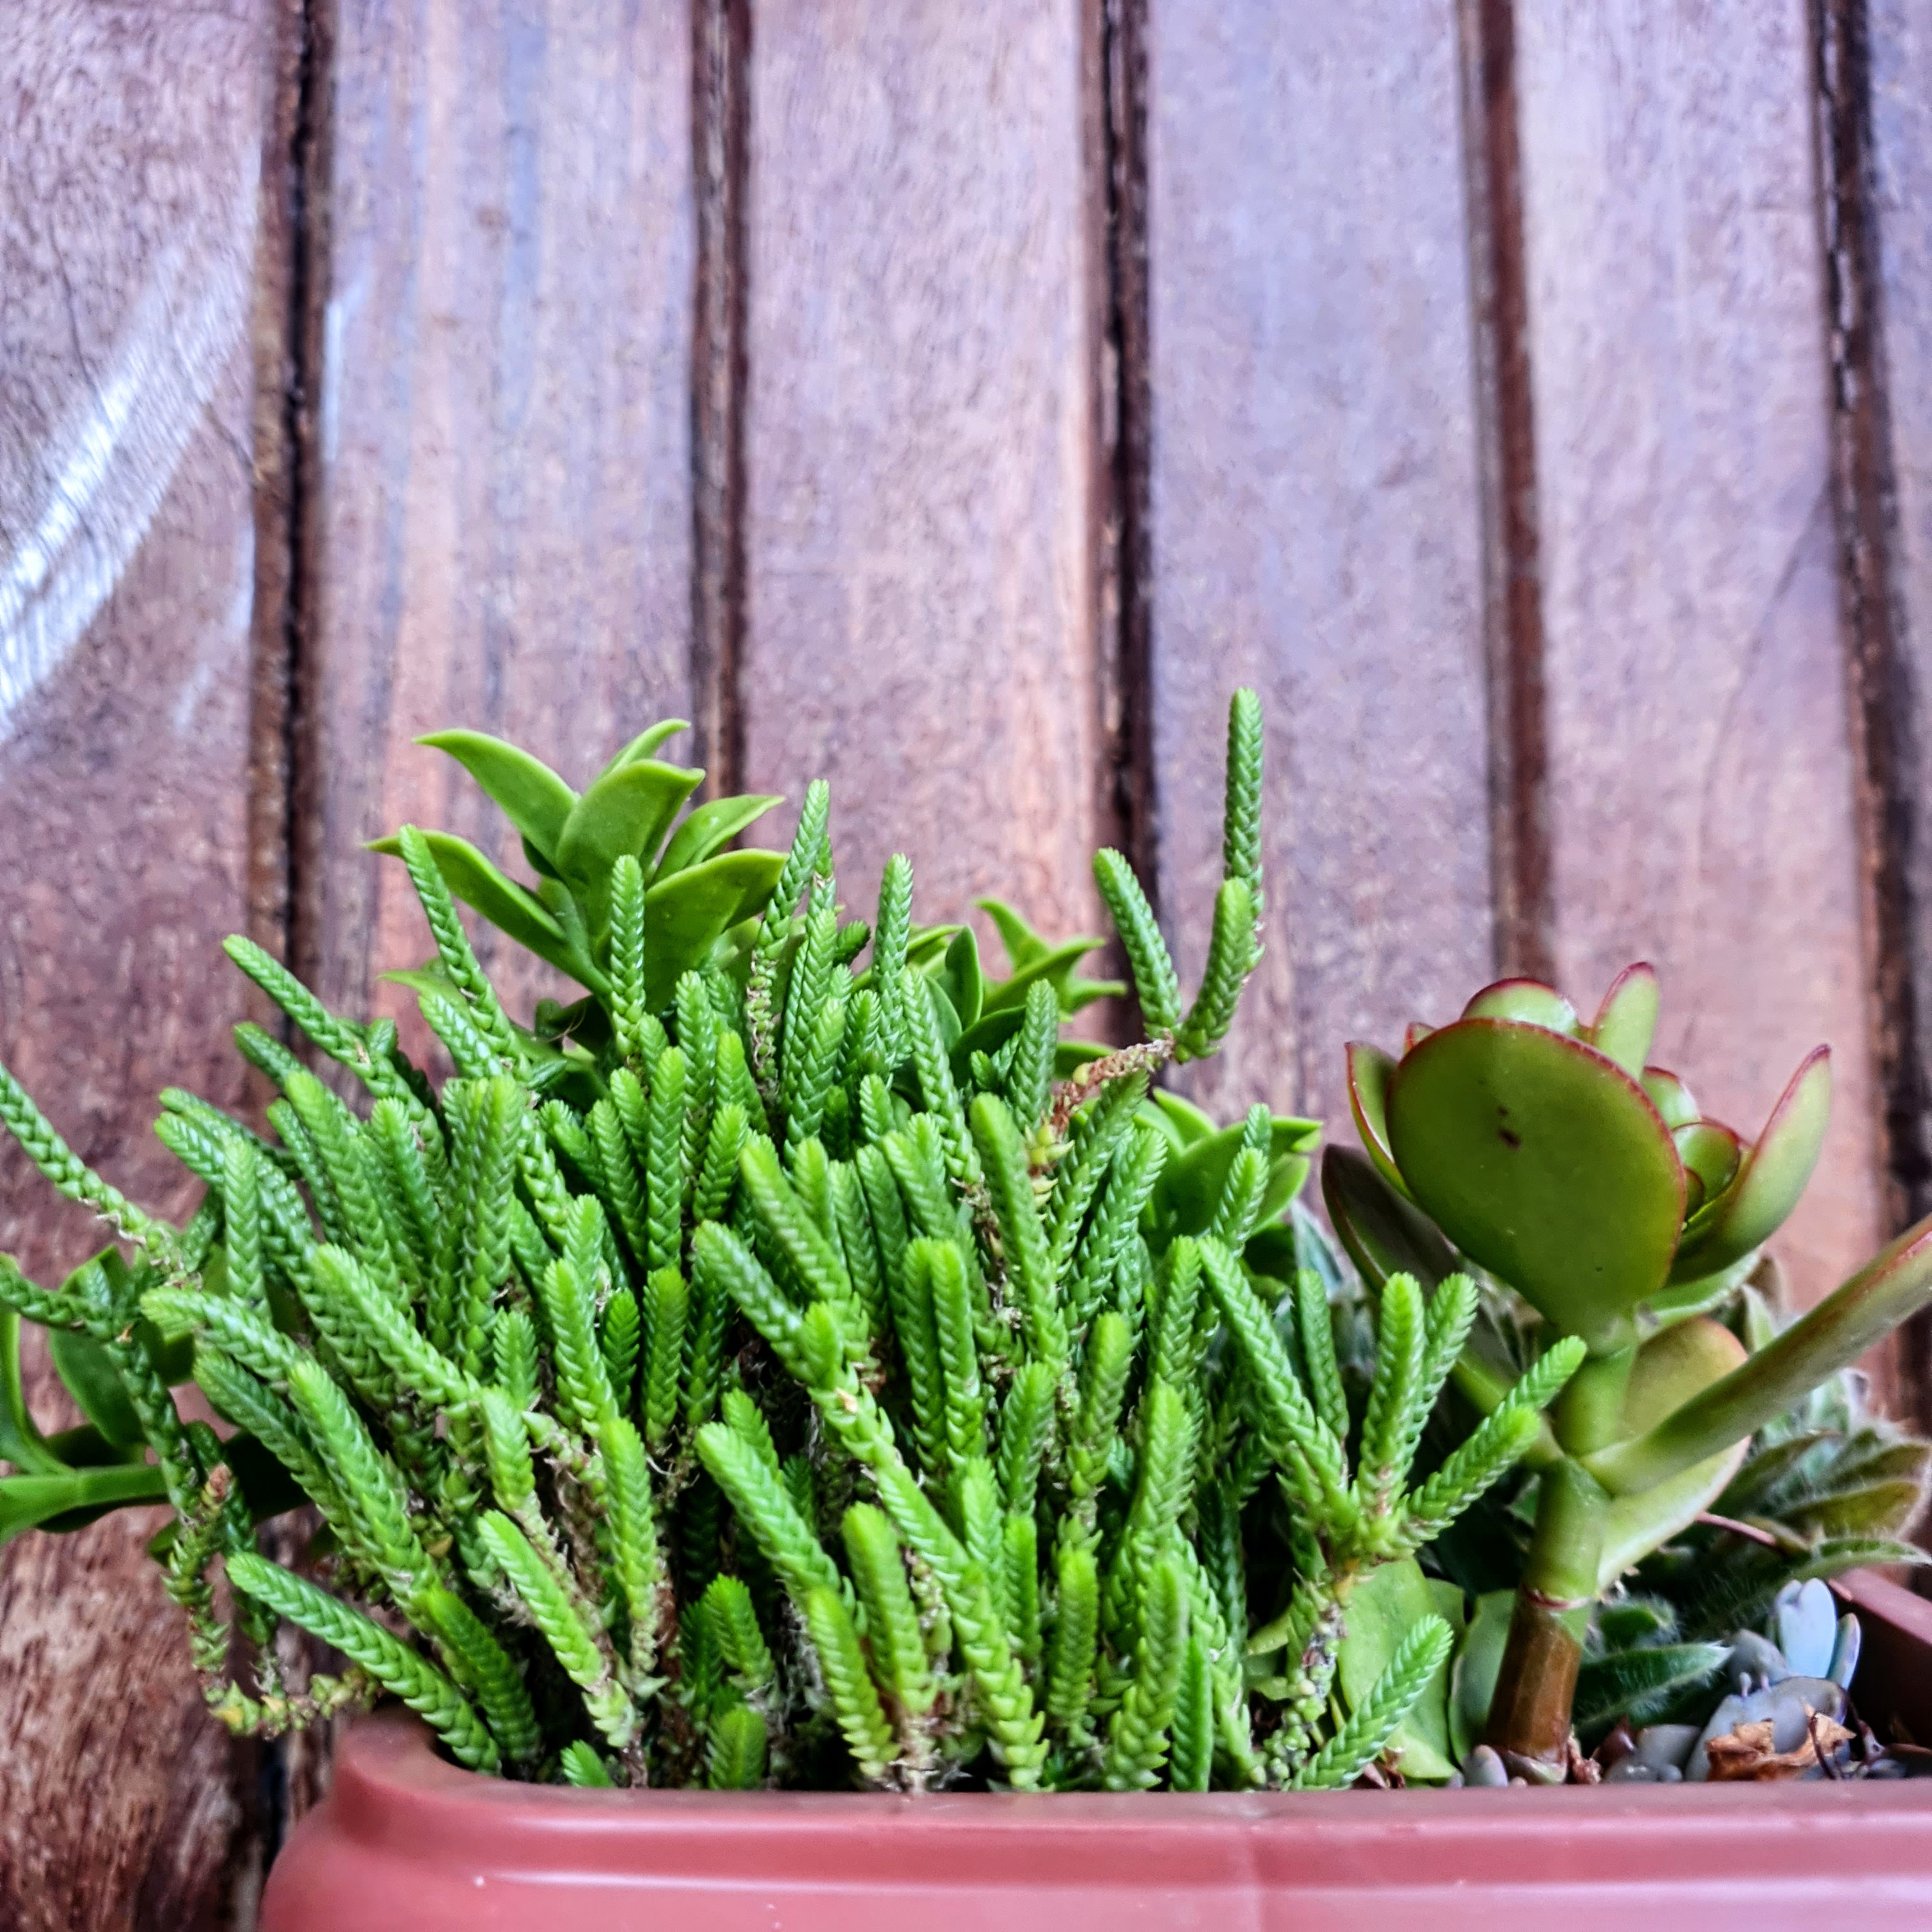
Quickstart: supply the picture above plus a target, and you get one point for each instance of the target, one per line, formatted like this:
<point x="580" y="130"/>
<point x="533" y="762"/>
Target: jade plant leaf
<point x="1389" y="1602"/>
<point x="1670" y="1097"/>
<point x="1371" y="1073"/>
<point x="533" y="798"/>
<point x="1626" y="1022"/>
<point x="1541" y="1158"/>
<point x="1771" y="1175"/>
<point x="1384" y="1232"/>
<point x="1669" y="1369"/>
<point x="710" y="829"/>
<point x="1528" y="1001"/>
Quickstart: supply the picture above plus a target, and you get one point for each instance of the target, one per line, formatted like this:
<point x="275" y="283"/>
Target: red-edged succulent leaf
<point x="1384" y="1233"/>
<point x="1710" y="1152"/>
<point x="1627" y="1020"/>
<point x="1529" y="1001"/>
<point x="1370" y="1070"/>
<point x="1770" y="1176"/>
<point x="1670" y="1096"/>
<point x="1418" y="1032"/>
<point x="1669" y="1369"/>
<point x="1541" y="1158"/>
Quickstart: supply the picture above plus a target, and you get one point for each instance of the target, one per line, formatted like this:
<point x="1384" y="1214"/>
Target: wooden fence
<point x="1534" y="401"/>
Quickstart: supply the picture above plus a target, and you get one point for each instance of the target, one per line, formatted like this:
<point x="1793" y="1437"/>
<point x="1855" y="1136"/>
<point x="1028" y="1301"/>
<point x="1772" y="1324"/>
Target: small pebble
<point x="1661" y="1745"/>
<point x="1633" y="1771"/>
<point x="1483" y="1767"/>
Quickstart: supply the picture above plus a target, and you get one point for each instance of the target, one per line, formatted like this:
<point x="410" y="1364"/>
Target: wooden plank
<point x="1701" y="789"/>
<point x="1316" y="520"/>
<point x="504" y="522"/>
<point x="1883" y="93"/>
<point x="129" y="232"/>
<point x="920" y="445"/>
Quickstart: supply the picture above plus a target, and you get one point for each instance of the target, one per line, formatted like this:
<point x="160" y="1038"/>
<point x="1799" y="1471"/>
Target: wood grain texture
<point x="504" y="514"/>
<point x="1892" y="69"/>
<point x="1869" y="240"/>
<point x="920" y="443"/>
<point x="1900" y="77"/>
<point x="1700" y="766"/>
<point x="128" y="185"/>
<point x="1316" y="518"/>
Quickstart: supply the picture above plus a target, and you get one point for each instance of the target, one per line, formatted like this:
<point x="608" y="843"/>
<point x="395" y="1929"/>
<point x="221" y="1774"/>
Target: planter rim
<point x="392" y="1787"/>
<point x="407" y="1842"/>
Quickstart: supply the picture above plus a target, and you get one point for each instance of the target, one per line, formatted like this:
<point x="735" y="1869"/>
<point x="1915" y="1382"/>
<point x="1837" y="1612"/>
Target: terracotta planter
<point x="405" y="1843"/>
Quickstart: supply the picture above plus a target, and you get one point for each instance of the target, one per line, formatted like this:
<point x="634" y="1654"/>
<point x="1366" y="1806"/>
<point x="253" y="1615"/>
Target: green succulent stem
<point x="1529" y="1715"/>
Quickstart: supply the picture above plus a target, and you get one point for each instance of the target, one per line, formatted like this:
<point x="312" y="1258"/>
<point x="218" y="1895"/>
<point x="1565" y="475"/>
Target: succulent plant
<point x="792" y="1371"/>
<point x="1548" y="1152"/>
<point x="700" y="896"/>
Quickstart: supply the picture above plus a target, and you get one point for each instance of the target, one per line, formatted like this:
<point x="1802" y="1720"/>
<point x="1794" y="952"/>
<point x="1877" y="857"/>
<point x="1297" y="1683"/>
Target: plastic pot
<point x="407" y="1843"/>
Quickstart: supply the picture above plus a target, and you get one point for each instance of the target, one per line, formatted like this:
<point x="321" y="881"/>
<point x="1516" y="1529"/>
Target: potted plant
<point x="791" y="1371"/>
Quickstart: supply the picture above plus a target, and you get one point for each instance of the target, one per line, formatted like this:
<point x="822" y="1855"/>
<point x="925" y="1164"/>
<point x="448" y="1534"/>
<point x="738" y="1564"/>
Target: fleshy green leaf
<point x="533" y="798"/>
<point x="1542" y="1159"/>
<point x="512" y="908"/>
<point x="709" y="829"/>
<point x="1627" y="1020"/>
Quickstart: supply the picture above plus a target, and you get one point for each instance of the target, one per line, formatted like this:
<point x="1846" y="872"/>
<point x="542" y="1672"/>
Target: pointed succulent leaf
<point x="1627" y="1020"/>
<point x="40" y="1502"/>
<point x="645" y="743"/>
<point x="687" y="913"/>
<point x="1771" y="1176"/>
<point x="711" y="828"/>
<point x="533" y="798"/>
<point x="512" y="908"/>
<point x="626" y="813"/>
<point x="1191" y="1183"/>
<point x="961" y="980"/>
<point x="1528" y="1001"/>
<point x="1542" y="1159"/>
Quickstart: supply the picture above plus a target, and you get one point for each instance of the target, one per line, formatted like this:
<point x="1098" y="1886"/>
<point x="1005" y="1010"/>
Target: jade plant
<point x="794" y="1365"/>
<point x="1548" y="1152"/>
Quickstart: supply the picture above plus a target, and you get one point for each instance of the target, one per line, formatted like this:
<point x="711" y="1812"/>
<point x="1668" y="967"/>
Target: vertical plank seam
<point x="1125" y="606"/>
<point x="284" y="825"/>
<point x="1874" y="626"/>
<point x="1114" y="141"/>
<point x="1518" y="724"/>
<point x="721" y="155"/>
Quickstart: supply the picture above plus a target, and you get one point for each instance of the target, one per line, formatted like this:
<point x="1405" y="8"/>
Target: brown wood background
<point x="1533" y="401"/>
